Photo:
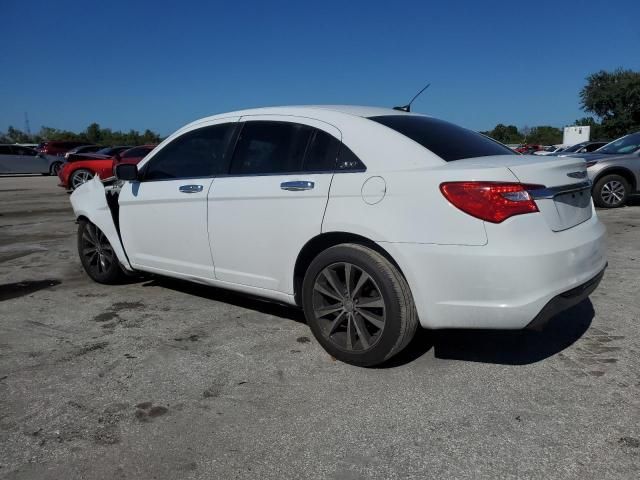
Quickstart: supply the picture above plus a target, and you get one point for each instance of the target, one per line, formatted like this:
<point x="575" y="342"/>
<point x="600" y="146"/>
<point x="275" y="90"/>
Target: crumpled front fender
<point x="90" y="201"/>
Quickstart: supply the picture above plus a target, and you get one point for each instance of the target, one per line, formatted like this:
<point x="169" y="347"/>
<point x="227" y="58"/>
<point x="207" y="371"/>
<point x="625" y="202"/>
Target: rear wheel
<point x="55" y="168"/>
<point x="79" y="177"/>
<point x="611" y="191"/>
<point x="358" y="305"/>
<point x="96" y="254"/>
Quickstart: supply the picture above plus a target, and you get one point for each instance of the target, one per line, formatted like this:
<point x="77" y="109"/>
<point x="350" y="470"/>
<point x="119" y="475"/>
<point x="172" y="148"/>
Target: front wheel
<point x="96" y="254"/>
<point x="358" y="305"/>
<point x="611" y="191"/>
<point x="80" y="177"/>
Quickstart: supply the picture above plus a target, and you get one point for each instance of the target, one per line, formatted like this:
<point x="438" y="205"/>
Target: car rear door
<point x="273" y="199"/>
<point x="163" y="216"/>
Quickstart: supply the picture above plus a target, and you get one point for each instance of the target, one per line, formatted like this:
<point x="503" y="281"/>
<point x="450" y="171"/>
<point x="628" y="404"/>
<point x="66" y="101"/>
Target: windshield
<point x="105" y="151"/>
<point x="628" y="144"/>
<point x="445" y="139"/>
<point x="576" y="147"/>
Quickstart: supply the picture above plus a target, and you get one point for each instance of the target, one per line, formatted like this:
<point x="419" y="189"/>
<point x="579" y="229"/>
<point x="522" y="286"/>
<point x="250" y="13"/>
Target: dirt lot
<point x="166" y="380"/>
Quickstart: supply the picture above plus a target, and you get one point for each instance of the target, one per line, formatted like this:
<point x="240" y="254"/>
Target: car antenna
<point x="407" y="107"/>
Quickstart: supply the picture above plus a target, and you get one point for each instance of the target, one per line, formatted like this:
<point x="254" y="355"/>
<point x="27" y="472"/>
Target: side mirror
<point x="127" y="171"/>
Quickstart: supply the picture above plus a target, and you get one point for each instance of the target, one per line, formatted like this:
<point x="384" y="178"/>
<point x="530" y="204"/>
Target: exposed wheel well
<point x="326" y="240"/>
<point x="623" y="172"/>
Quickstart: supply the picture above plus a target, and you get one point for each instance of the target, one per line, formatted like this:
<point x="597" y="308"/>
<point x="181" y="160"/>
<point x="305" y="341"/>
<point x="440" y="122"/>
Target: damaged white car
<point x="374" y="221"/>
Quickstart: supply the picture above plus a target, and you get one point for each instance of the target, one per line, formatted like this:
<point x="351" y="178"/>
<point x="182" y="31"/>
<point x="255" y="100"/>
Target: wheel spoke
<point x="326" y="292"/>
<point x="371" y="318"/>
<point x="88" y="251"/>
<point x="324" y="311"/>
<point x="339" y="320"/>
<point x="361" y="328"/>
<point x="350" y="332"/>
<point x="333" y="280"/>
<point x="361" y="281"/>
<point x="347" y="279"/>
<point x="371" y="303"/>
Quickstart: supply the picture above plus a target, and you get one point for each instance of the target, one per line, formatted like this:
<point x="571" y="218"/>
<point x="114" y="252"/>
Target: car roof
<point x="316" y="111"/>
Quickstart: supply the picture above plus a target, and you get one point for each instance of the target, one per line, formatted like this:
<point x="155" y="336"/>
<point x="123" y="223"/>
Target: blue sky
<point x="144" y="64"/>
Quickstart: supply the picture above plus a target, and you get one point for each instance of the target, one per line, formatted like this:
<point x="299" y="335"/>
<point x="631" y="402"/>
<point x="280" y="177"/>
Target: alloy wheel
<point x="349" y="307"/>
<point x="612" y="193"/>
<point x="80" y="177"/>
<point x="97" y="250"/>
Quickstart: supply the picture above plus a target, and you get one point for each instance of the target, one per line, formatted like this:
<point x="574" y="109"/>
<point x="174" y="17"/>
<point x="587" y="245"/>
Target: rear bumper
<point x="507" y="283"/>
<point x="565" y="301"/>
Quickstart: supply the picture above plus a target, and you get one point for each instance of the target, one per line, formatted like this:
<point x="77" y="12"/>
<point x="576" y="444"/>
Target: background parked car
<point x="77" y="171"/>
<point x="104" y="152"/>
<point x="58" y="147"/>
<point x="83" y="149"/>
<point x="551" y="149"/>
<point x="583" y="147"/>
<point x="527" y="149"/>
<point x="615" y="171"/>
<point x="19" y="159"/>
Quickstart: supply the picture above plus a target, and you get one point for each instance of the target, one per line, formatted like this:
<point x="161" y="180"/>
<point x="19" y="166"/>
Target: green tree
<point x="94" y="133"/>
<point x="597" y="131"/>
<point x="615" y="98"/>
<point x="505" y="134"/>
<point x="544" y="135"/>
<point x="17" y="136"/>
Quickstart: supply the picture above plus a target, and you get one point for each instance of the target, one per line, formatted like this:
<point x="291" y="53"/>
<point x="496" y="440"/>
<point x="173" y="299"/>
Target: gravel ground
<point x="162" y="379"/>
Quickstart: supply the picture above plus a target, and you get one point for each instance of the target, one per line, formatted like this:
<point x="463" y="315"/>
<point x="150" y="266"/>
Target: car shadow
<point x="267" y="307"/>
<point x="504" y="347"/>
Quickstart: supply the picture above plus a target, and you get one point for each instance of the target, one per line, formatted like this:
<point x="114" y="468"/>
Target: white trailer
<point x="576" y="134"/>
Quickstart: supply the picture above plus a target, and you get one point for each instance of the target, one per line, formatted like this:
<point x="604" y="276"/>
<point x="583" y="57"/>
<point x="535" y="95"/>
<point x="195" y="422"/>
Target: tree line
<point x="613" y="99"/>
<point x="93" y="134"/>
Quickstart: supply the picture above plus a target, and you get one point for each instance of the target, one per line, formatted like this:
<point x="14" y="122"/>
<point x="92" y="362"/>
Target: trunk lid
<point x="564" y="198"/>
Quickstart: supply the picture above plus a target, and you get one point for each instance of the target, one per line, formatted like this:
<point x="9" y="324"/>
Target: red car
<point x="58" y="147"/>
<point x="76" y="172"/>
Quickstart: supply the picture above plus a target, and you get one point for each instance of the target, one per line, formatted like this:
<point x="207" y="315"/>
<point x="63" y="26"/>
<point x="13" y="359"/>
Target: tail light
<point x="491" y="201"/>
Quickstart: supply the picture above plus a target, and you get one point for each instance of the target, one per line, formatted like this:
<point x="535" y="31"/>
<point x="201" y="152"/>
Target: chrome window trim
<point x="545" y="193"/>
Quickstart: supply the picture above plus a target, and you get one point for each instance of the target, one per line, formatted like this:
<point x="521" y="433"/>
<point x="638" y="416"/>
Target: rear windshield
<point x="445" y="139"/>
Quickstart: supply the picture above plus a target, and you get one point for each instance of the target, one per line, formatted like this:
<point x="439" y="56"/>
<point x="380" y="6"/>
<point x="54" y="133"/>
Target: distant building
<point x="576" y="134"/>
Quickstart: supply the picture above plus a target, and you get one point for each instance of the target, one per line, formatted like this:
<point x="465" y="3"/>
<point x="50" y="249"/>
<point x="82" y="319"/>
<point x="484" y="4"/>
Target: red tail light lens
<point x="491" y="201"/>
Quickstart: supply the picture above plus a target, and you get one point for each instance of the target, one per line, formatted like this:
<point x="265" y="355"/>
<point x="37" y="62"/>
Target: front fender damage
<point x="90" y="201"/>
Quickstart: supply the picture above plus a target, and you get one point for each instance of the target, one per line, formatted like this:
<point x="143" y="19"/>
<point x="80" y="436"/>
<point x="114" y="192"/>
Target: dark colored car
<point x="83" y="149"/>
<point x="105" y="152"/>
<point x="58" y="147"/>
<point x="583" y="147"/>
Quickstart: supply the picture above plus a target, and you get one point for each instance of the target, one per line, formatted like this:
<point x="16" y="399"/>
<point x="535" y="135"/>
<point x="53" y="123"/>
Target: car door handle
<point x="297" y="186"/>
<point x="190" y="188"/>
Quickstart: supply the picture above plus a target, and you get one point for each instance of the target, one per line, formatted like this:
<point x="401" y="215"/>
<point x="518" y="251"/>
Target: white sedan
<point x="374" y="221"/>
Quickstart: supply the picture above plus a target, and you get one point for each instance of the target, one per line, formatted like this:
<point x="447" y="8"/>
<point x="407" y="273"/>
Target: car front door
<point x="273" y="199"/>
<point x="163" y="216"/>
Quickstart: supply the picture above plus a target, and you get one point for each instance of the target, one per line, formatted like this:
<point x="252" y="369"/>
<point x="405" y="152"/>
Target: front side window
<point x="270" y="147"/>
<point x="198" y="153"/>
<point x="448" y="141"/>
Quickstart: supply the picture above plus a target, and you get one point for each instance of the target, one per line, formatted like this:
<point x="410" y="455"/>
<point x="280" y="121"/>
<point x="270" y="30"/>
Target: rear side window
<point x="322" y="153"/>
<point x="448" y="141"/>
<point x="199" y="153"/>
<point x="270" y="147"/>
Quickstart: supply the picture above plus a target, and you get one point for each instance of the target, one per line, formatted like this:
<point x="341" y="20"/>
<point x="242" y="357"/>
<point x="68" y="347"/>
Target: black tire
<point x="97" y="256"/>
<point x="79" y="177"/>
<point x="386" y="285"/>
<point x="54" y="169"/>
<point x="611" y="191"/>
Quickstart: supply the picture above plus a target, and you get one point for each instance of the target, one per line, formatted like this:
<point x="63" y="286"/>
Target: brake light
<point x="491" y="201"/>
